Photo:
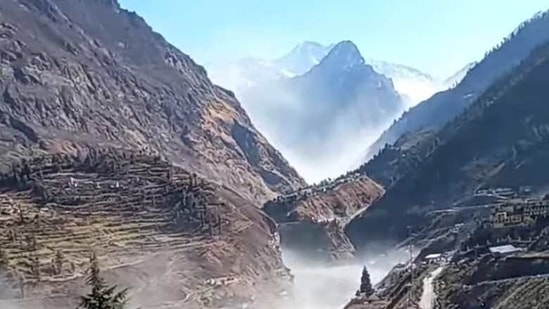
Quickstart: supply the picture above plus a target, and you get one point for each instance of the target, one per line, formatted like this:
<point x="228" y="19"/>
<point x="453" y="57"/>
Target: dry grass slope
<point x="145" y="219"/>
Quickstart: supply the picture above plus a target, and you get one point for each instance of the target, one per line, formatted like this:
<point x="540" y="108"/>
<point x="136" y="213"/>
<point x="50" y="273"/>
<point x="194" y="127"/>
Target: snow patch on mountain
<point x="249" y="72"/>
<point x="456" y="78"/>
<point x="413" y="85"/>
<point x="302" y="58"/>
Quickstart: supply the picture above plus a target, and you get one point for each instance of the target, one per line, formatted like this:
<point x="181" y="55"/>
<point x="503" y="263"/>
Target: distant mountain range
<point x="323" y="117"/>
<point x="323" y="104"/>
<point x="303" y="57"/>
<point x="412" y="84"/>
<point x="248" y="72"/>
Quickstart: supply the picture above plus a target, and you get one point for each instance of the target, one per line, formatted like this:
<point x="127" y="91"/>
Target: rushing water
<point x="318" y="287"/>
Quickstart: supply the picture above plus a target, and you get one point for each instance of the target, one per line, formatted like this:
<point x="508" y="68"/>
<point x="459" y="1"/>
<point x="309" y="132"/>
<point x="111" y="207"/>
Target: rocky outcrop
<point x="311" y="221"/>
<point x="79" y="74"/>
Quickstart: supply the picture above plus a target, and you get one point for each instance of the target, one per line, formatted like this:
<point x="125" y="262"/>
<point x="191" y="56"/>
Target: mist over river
<point x="318" y="287"/>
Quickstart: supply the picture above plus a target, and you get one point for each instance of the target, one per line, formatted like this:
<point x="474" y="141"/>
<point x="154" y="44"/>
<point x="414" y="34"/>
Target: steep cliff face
<point x="500" y="141"/>
<point x="312" y="220"/>
<point x="80" y="74"/>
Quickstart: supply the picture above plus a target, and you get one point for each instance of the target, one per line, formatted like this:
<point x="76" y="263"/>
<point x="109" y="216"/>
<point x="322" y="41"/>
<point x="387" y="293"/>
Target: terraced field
<point x="142" y="217"/>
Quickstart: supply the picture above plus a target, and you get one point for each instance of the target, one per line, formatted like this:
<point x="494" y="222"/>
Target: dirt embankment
<point x="312" y="220"/>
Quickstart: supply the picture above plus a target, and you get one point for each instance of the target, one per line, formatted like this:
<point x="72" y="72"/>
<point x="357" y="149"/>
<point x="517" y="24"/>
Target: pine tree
<point x="365" y="283"/>
<point x="101" y="296"/>
<point x="58" y="262"/>
<point x="3" y="258"/>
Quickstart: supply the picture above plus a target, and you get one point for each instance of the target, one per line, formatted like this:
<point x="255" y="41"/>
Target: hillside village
<point x="502" y="254"/>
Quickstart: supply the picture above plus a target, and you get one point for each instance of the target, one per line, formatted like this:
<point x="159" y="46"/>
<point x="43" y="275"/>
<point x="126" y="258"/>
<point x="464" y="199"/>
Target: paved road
<point x="455" y="209"/>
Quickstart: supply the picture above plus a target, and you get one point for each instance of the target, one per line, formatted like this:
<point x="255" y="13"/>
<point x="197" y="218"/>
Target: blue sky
<point x="436" y="36"/>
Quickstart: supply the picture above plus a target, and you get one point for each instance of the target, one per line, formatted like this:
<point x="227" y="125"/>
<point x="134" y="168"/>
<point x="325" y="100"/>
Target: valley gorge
<point x="117" y="147"/>
<point x="322" y="105"/>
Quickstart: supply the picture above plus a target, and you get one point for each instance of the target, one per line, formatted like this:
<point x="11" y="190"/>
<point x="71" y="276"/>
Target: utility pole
<point x="411" y="267"/>
<point x="210" y="221"/>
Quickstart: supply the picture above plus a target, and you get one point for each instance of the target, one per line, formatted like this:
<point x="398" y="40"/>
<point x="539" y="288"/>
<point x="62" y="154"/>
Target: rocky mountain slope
<point x="320" y="116"/>
<point x="442" y="107"/>
<point x="152" y="225"/>
<point x="79" y="74"/>
<point x="500" y="141"/>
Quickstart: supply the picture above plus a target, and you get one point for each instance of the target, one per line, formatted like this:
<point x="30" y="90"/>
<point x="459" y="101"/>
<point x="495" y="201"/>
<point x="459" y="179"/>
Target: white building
<point x="505" y="250"/>
<point x="434" y="258"/>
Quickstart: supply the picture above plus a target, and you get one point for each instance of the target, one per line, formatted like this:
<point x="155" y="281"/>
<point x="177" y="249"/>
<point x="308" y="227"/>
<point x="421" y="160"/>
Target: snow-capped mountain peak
<point x="303" y="57"/>
<point x="345" y="55"/>
<point x="251" y="71"/>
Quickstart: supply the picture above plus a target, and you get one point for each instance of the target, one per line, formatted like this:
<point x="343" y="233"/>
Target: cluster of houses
<point x="503" y="192"/>
<point x="446" y="257"/>
<point x="515" y="214"/>
<point x="504" y="250"/>
<point x="437" y="258"/>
